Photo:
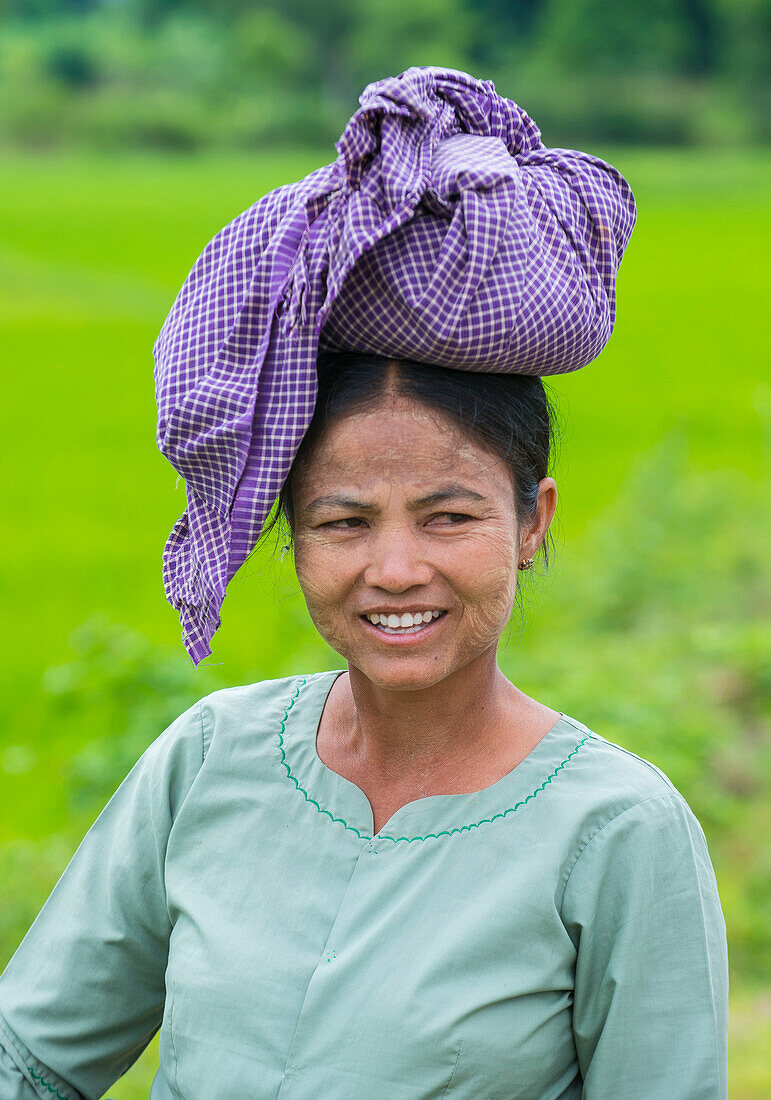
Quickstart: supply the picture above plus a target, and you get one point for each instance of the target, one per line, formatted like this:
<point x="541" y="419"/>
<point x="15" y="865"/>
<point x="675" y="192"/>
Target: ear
<point x="535" y="532"/>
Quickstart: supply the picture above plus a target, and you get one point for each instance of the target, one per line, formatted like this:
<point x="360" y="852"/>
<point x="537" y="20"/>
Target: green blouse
<point x="556" y="935"/>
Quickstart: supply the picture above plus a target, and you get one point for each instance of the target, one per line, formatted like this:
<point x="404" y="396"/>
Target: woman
<point x="404" y="878"/>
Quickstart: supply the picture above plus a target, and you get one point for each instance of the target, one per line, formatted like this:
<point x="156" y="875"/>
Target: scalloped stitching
<point x="410" y="839"/>
<point x="43" y="1081"/>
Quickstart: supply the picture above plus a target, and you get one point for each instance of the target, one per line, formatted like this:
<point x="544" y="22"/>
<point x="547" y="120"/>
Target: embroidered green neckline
<point x="408" y="839"/>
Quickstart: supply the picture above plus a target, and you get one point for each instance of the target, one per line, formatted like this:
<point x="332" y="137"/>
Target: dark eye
<point x="342" y="523"/>
<point x="454" y="517"/>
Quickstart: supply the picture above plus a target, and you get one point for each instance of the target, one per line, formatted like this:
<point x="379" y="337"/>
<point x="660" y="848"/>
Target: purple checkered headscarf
<point x="445" y="231"/>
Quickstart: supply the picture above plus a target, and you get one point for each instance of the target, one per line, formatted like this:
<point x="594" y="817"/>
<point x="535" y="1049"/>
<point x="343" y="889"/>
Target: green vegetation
<point x="651" y="626"/>
<point x="194" y="74"/>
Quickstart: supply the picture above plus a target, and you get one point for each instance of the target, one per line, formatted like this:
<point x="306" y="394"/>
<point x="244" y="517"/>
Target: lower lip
<point x="405" y="639"/>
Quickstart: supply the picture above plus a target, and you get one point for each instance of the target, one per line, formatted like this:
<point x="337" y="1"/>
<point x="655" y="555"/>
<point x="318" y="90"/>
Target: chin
<point x="400" y="674"/>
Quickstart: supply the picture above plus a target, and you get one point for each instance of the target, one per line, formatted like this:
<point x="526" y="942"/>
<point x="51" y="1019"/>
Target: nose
<point x="396" y="561"/>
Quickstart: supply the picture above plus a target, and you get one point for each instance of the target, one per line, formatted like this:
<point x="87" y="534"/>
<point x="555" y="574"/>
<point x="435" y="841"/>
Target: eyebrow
<point x="440" y="496"/>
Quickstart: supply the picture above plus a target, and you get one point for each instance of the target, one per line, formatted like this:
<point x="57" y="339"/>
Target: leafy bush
<point x="132" y="688"/>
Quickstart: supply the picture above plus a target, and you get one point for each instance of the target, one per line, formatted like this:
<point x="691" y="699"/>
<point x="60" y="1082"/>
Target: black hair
<point x="509" y="415"/>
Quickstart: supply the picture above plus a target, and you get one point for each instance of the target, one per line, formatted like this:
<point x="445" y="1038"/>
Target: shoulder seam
<point x="652" y="798"/>
<point x="641" y="759"/>
<point x="627" y="752"/>
<point x="204" y="742"/>
<point x="207" y="731"/>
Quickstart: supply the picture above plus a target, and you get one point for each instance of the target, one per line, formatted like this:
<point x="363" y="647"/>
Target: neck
<point x="420" y="733"/>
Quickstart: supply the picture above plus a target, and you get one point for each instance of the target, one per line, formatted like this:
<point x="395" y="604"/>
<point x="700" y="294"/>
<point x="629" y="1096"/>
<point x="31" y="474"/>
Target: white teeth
<point x="407" y="621"/>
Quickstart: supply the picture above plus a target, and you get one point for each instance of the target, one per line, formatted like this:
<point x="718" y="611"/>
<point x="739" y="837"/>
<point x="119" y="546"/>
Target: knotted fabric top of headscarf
<point x="445" y="232"/>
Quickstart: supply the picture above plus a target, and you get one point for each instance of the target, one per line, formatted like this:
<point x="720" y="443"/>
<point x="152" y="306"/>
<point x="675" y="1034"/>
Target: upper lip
<point x="402" y="610"/>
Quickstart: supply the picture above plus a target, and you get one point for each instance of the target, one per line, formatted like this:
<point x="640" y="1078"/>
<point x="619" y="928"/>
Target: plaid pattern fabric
<point x="445" y="231"/>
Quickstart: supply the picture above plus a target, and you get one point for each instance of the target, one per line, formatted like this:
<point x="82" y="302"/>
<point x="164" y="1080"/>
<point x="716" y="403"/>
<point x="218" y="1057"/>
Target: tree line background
<point x="198" y="74"/>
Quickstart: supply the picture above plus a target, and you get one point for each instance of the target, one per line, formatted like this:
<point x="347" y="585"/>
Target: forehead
<point x="399" y="443"/>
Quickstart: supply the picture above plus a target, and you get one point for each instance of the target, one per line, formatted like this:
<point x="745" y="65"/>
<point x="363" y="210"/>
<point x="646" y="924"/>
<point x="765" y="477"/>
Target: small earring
<point x="528" y="563"/>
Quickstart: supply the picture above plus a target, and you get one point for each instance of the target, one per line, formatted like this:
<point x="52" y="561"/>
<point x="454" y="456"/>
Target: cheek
<point x="491" y="586"/>
<point x="498" y="586"/>
<point x="322" y="584"/>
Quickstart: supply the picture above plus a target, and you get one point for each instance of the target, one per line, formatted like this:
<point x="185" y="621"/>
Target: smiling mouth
<point x="415" y="629"/>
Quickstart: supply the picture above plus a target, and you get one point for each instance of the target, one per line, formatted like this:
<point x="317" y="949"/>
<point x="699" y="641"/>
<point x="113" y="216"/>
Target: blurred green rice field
<point x="92" y="253"/>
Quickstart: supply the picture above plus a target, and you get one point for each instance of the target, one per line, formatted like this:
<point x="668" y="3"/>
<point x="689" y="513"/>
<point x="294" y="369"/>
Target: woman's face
<point x="397" y="514"/>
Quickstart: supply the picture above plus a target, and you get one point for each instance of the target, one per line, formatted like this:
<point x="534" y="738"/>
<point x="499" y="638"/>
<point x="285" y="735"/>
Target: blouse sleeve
<point x="84" y="992"/>
<point x="650" y="1008"/>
